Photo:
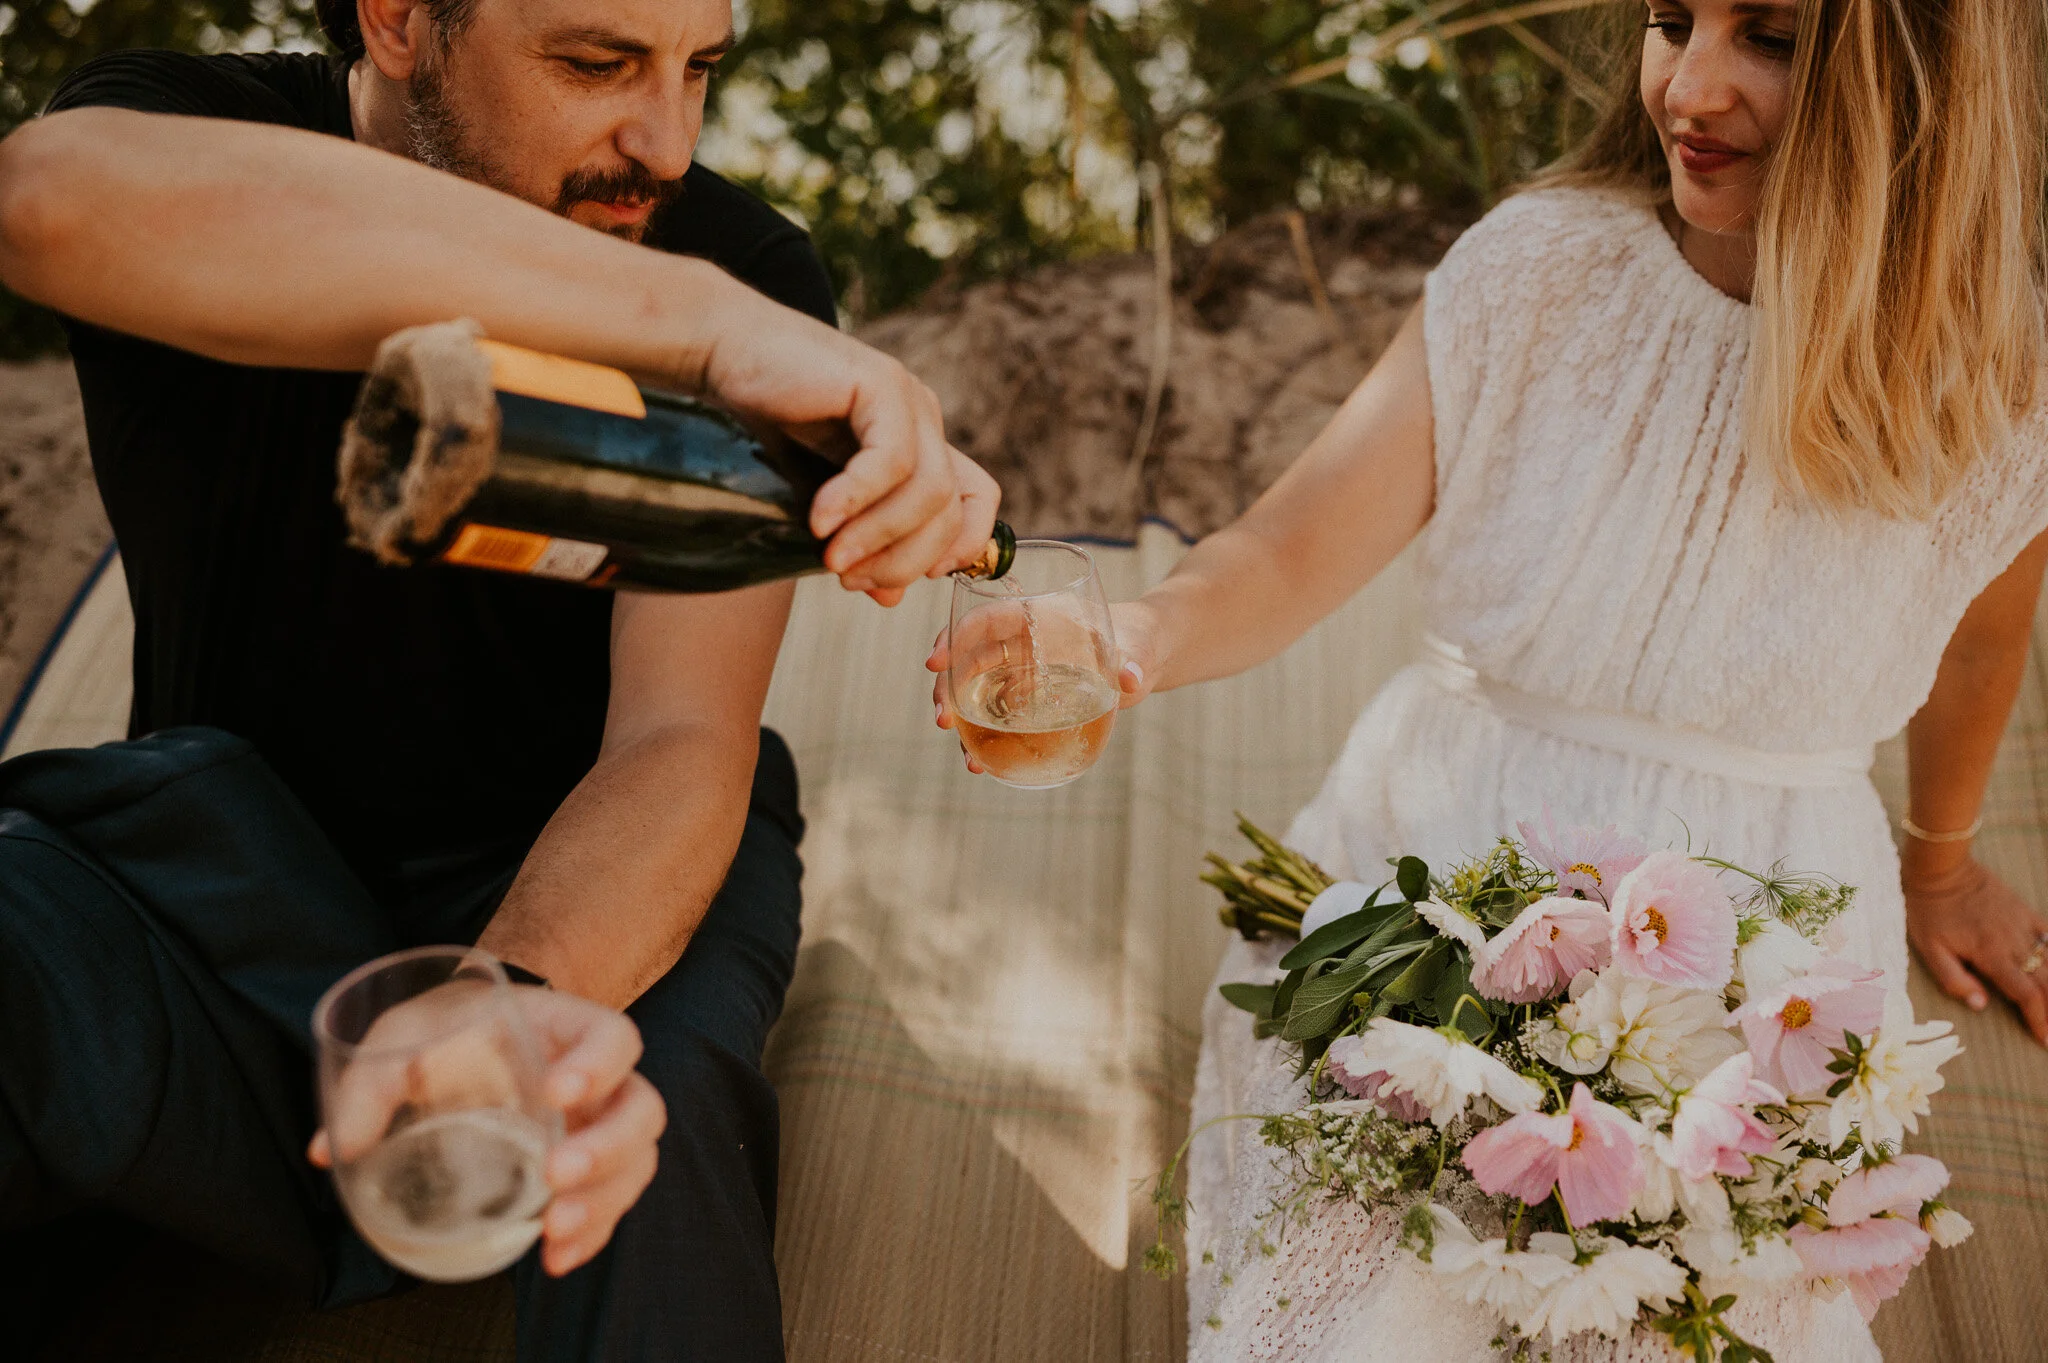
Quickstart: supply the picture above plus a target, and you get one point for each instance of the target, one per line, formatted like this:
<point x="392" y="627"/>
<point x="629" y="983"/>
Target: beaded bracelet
<point x="1959" y="835"/>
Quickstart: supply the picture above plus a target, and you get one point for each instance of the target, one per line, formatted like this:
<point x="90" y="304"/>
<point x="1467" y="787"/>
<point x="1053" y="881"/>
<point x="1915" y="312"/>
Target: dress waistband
<point x="1640" y="736"/>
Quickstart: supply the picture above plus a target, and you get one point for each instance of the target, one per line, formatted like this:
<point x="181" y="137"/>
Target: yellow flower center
<point x="1654" y="921"/>
<point x="1555" y="932"/>
<point x="1578" y="1136"/>
<point x="1585" y="868"/>
<point x="1797" y="1014"/>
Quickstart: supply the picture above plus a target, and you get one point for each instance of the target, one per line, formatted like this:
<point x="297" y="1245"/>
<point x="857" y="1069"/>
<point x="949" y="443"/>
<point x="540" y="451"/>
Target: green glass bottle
<point x="467" y="451"/>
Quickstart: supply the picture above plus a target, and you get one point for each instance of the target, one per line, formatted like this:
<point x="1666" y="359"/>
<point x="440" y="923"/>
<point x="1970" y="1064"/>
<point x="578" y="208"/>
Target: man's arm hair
<point x="622" y="875"/>
<point x="267" y="245"/>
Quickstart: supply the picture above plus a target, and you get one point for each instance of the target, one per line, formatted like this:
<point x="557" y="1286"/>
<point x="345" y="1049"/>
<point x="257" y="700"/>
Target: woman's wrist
<point x="1934" y="866"/>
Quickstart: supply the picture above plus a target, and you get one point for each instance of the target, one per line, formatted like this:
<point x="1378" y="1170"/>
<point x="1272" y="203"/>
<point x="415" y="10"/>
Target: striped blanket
<point x="989" y="1044"/>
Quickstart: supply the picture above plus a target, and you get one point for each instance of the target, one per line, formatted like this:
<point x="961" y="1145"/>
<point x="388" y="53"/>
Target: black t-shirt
<point x="427" y="715"/>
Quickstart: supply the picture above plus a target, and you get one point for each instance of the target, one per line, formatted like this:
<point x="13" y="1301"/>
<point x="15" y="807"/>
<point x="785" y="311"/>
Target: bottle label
<point x="522" y="551"/>
<point x="552" y="378"/>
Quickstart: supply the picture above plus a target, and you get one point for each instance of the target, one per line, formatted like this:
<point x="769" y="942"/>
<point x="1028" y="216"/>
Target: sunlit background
<point x="935" y="143"/>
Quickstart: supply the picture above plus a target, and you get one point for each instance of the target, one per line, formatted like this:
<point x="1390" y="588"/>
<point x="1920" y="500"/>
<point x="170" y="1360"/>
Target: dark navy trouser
<point x="168" y="916"/>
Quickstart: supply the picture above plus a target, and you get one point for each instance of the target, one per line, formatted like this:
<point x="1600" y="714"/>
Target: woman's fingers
<point x="599" y="1172"/>
<point x="1952" y="975"/>
<point x="2023" y="989"/>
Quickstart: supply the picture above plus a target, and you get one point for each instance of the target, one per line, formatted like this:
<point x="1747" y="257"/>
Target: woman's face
<point x="1715" y="79"/>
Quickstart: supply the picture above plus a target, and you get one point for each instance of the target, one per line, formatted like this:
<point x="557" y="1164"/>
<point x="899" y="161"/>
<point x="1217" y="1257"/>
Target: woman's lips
<point x="1704" y="156"/>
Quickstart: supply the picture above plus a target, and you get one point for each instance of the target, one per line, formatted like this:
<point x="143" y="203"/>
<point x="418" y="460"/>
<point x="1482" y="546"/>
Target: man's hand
<point x="612" y="1114"/>
<point x="907" y="505"/>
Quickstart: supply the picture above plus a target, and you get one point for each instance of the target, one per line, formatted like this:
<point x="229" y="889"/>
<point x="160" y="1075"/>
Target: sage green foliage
<point x="1385" y="960"/>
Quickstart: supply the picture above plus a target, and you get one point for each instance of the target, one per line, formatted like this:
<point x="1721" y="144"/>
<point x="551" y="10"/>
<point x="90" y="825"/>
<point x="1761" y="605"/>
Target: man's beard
<point x="437" y="136"/>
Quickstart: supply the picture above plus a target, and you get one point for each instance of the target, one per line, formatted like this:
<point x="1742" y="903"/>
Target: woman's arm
<point x="1353" y="500"/>
<point x="1341" y="512"/>
<point x="1964" y="921"/>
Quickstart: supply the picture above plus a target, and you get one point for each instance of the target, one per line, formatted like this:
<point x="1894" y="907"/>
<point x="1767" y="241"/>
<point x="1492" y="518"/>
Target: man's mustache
<point x="631" y="184"/>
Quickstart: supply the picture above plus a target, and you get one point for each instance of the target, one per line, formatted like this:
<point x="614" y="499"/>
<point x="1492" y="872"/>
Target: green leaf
<point x="1402" y="924"/>
<point x="1333" y="938"/>
<point x="1320" y="1002"/>
<point x="1256" y="999"/>
<point x="1412" y="875"/>
<point x="1840" y="1086"/>
<point x="1453" y="984"/>
<point x="1387" y="964"/>
<point x="1421" y="975"/>
<point x="1284" y="999"/>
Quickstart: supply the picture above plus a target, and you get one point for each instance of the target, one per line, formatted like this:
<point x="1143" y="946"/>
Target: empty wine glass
<point x="1033" y="667"/>
<point x="430" y="1091"/>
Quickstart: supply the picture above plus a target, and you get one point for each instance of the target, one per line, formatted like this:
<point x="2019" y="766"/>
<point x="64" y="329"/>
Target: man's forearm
<point x="266" y="245"/>
<point x="623" y="873"/>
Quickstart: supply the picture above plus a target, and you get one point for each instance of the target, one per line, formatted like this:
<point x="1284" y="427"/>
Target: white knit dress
<point x="1654" y="635"/>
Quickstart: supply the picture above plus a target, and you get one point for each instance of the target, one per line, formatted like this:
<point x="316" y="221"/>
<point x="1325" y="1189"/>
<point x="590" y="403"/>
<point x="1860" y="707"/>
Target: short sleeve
<point x="738" y="232"/>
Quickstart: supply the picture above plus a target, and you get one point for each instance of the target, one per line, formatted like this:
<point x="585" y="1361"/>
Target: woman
<point x="1724" y="449"/>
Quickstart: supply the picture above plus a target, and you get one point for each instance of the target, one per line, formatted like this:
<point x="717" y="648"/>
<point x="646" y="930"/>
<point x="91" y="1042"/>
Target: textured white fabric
<point x="1599" y="543"/>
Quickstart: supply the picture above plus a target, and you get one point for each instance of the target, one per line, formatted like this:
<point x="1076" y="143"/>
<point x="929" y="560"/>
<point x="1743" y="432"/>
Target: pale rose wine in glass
<point x="1034" y="660"/>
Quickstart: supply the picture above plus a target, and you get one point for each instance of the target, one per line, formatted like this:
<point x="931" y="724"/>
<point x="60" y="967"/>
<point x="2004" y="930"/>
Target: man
<point x="565" y="778"/>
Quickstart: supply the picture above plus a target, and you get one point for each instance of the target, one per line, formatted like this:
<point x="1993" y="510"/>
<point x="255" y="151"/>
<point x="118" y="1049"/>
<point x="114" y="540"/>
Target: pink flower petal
<point x="1901" y="1184"/>
<point x="1601" y="1171"/>
<point x="1519" y="1157"/>
<point x="1537" y="955"/>
<point x="1672" y="921"/>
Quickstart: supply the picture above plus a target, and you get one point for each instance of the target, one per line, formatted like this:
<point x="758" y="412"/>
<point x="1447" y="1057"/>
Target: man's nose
<point x="662" y="133"/>
<point x="1704" y="84"/>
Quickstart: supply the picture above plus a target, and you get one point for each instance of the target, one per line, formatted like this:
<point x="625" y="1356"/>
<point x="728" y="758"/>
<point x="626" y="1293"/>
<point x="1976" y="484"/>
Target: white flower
<point x="1489" y="1274"/>
<point x="1947" y="1226"/>
<point x="1900" y="1071"/>
<point x="1811" y="1175"/>
<point x="1665" y="1190"/>
<point x="1451" y="923"/>
<point x="1604" y="1294"/>
<point x="1726" y="1265"/>
<point x="1776" y="953"/>
<point x="1654" y="1037"/>
<point x="1441" y="1074"/>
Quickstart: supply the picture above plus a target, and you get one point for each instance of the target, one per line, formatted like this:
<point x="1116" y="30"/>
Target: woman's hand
<point x="1968" y="925"/>
<point x="998" y="634"/>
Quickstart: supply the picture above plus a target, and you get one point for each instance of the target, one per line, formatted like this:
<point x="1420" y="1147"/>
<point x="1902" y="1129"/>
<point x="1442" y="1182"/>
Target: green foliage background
<point x="937" y="142"/>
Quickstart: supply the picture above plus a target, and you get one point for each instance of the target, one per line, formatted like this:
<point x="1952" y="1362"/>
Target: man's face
<point x="591" y="108"/>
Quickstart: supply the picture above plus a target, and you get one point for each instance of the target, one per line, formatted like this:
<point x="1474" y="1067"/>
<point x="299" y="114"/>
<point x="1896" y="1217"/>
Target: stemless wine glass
<point x="1034" y="661"/>
<point x="430" y="1090"/>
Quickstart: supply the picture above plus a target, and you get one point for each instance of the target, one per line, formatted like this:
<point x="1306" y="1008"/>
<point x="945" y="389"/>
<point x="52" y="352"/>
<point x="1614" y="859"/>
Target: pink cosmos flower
<point x="1794" y="1030"/>
<point x="1873" y="1257"/>
<point x="1902" y="1185"/>
<point x="1673" y="922"/>
<point x="1589" y="1153"/>
<point x="1589" y="860"/>
<point x="1714" y="1131"/>
<point x="1372" y="1085"/>
<point x="1537" y="955"/>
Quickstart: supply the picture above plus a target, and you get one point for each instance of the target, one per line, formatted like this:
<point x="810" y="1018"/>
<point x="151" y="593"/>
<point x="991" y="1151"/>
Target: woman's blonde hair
<point x="1900" y="255"/>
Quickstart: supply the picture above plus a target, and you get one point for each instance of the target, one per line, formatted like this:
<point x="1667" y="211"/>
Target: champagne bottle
<point x="468" y="451"/>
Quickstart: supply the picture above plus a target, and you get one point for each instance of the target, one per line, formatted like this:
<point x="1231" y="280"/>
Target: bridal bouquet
<point x="1639" y="1077"/>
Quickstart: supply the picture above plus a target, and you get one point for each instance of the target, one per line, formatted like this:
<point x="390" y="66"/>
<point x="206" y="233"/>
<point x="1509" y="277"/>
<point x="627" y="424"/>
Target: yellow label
<point x="522" y="551"/>
<point x="492" y="546"/>
<point x="529" y="373"/>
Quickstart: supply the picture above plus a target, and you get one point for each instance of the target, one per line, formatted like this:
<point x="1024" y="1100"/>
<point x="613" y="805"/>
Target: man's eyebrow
<point x="596" y="35"/>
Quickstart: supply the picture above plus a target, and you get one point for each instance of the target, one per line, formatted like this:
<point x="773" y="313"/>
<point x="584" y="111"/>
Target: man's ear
<point x="395" y="33"/>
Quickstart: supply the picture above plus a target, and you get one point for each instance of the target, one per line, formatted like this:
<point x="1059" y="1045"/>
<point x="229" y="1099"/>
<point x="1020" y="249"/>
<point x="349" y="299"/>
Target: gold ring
<point x="1004" y="645"/>
<point x="2037" y="956"/>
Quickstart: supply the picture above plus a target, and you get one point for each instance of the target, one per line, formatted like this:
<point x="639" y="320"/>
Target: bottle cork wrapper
<point x="423" y="438"/>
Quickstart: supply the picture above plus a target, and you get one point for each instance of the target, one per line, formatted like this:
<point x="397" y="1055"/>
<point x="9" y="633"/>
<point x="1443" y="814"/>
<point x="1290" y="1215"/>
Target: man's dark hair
<point x="338" y="22"/>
